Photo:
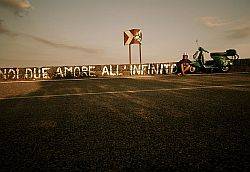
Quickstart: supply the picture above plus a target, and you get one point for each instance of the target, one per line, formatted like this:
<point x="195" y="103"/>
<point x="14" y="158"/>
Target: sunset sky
<point x="79" y="32"/>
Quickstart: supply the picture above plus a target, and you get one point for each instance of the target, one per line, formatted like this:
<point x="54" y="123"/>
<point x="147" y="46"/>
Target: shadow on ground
<point x="184" y="129"/>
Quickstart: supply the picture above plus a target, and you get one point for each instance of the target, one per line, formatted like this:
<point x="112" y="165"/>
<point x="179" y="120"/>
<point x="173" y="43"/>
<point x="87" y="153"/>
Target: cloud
<point x="61" y="45"/>
<point x="2" y="29"/>
<point x="5" y="31"/>
<point x="20" y="7"/>
<point x="10" y="33"/>
<point x="213" y="22"/>
<point x="16" y="4"/>
<point x="235" y="29"/>
<point x="239" y="33"/>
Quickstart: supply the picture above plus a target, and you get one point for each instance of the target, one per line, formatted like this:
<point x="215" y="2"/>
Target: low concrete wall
<point x="241" y="65"/>
<point x="67" y="72"/>
<point x="83" y="71"/>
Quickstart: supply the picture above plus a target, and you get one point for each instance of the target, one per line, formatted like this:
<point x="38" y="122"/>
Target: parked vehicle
<point x="221" y="61"/>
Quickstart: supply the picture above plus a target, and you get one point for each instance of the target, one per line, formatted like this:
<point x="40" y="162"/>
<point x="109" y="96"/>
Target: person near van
<point x="184" y="65"/>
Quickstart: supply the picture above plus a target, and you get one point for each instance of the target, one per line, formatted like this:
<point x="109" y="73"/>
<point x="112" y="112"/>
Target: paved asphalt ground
<point x="196" y="122"/>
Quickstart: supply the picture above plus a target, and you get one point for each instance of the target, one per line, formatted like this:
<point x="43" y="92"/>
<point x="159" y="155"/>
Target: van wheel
<point x="225" y="69"/>
<point x="192" y="69"/>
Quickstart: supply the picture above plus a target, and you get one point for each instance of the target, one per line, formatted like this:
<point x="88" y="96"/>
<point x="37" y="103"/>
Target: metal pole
<point x="140" y="52"/>
<point x="129" y="53"/>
